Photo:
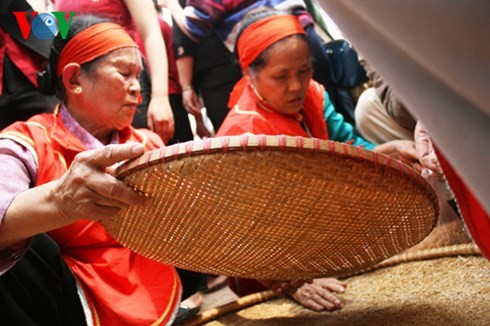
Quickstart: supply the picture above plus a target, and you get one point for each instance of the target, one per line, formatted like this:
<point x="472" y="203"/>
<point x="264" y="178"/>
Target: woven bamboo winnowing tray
<point x="273" y="207"/>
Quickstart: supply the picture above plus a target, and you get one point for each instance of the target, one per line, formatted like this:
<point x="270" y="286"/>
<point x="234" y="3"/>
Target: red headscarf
<point x="256" y="38"/>
<point x="263" y="33"/>
<point x="93" y="42"/>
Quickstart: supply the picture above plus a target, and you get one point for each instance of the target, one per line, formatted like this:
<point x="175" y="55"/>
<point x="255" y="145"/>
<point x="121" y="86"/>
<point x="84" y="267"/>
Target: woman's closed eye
<point x="305" y="71"/>
<point x="128" y="74"/>
<point x="279" y="77"/>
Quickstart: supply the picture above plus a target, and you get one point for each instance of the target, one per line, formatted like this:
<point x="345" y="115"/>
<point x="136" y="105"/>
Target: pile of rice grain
<point x="446" y="291"/>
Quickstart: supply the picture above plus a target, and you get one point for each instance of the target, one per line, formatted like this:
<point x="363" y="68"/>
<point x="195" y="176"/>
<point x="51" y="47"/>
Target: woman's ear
<point x="249" y="76"/>
<point x="71" y="77"/>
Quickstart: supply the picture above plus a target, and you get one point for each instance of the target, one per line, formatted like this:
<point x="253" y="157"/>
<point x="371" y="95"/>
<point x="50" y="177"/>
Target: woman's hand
<point x="193" y="106"/>
<point x="160" y="118"/>
<point x="87" y="191"/>
<point x="403" y="150"/>
<point x="191" y="101"/>
<point x="425" y="151"/>
<point x="319" y="295"/>
<point x="281" y="288"/>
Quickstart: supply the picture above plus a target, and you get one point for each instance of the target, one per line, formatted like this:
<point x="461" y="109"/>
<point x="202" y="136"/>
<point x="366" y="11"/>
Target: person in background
<point x="208" y="71"/>
<point x="20" y="60"/>
<point x="183" y="131"/>
<point x="139" y="19"/>
<point x="277" y="96"/>
<point x="380" y="116"/>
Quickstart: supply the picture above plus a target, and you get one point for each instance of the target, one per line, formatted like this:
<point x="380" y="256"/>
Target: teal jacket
<point x="340" y="130"/>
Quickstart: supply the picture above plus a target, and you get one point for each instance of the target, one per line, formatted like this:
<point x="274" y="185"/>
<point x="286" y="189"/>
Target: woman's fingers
<point x="424" y="148"/>
<point x="328" y="299"/>
<point x="89" y="171"/>
<point x="164" y="128"/>
<point x="310" y="303"/>
<point x="317" y="300"/>
<point x="319" y="294"/>
<point x="191" y="102"/>
<point x="109" y="191"/>
<point x="332" y="284"/>
<point x="86" y="191"/>
<point x="160" y="118"/>
<point x="110" y="155"/>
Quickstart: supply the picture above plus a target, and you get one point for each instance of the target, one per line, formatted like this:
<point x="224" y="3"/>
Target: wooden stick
<point x="465" y="249"/>
<point x="240" y="303"/>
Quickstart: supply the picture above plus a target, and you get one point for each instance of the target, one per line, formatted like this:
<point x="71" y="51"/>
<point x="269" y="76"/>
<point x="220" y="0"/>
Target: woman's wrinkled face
<point x="111" y="90"/>
<point x="284" y="78"/>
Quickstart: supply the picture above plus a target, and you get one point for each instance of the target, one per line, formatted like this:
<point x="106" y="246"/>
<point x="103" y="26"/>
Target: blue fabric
<point x="340" y="130"/>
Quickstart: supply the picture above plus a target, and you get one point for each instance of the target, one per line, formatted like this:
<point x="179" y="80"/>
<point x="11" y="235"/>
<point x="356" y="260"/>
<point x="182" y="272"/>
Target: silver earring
<point x="78" y="90"/>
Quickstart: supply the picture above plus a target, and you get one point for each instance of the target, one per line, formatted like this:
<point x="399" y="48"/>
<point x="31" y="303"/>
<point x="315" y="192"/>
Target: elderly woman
<point x="54" y="181"/>
<point x="277" y="96"/>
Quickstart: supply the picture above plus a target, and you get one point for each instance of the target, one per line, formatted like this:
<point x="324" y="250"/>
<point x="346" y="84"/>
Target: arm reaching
<point x="160" y="115"/>
<point x="403" y="150"/>
<point x="177" y="14"/>
<point x="85" y="191"/>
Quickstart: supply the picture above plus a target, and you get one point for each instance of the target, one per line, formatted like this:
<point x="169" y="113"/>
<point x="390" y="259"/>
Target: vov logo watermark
<point x="44" y="25"/>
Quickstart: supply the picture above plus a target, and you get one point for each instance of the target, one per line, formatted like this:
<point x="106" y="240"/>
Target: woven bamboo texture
<point x="273" y="207"/>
